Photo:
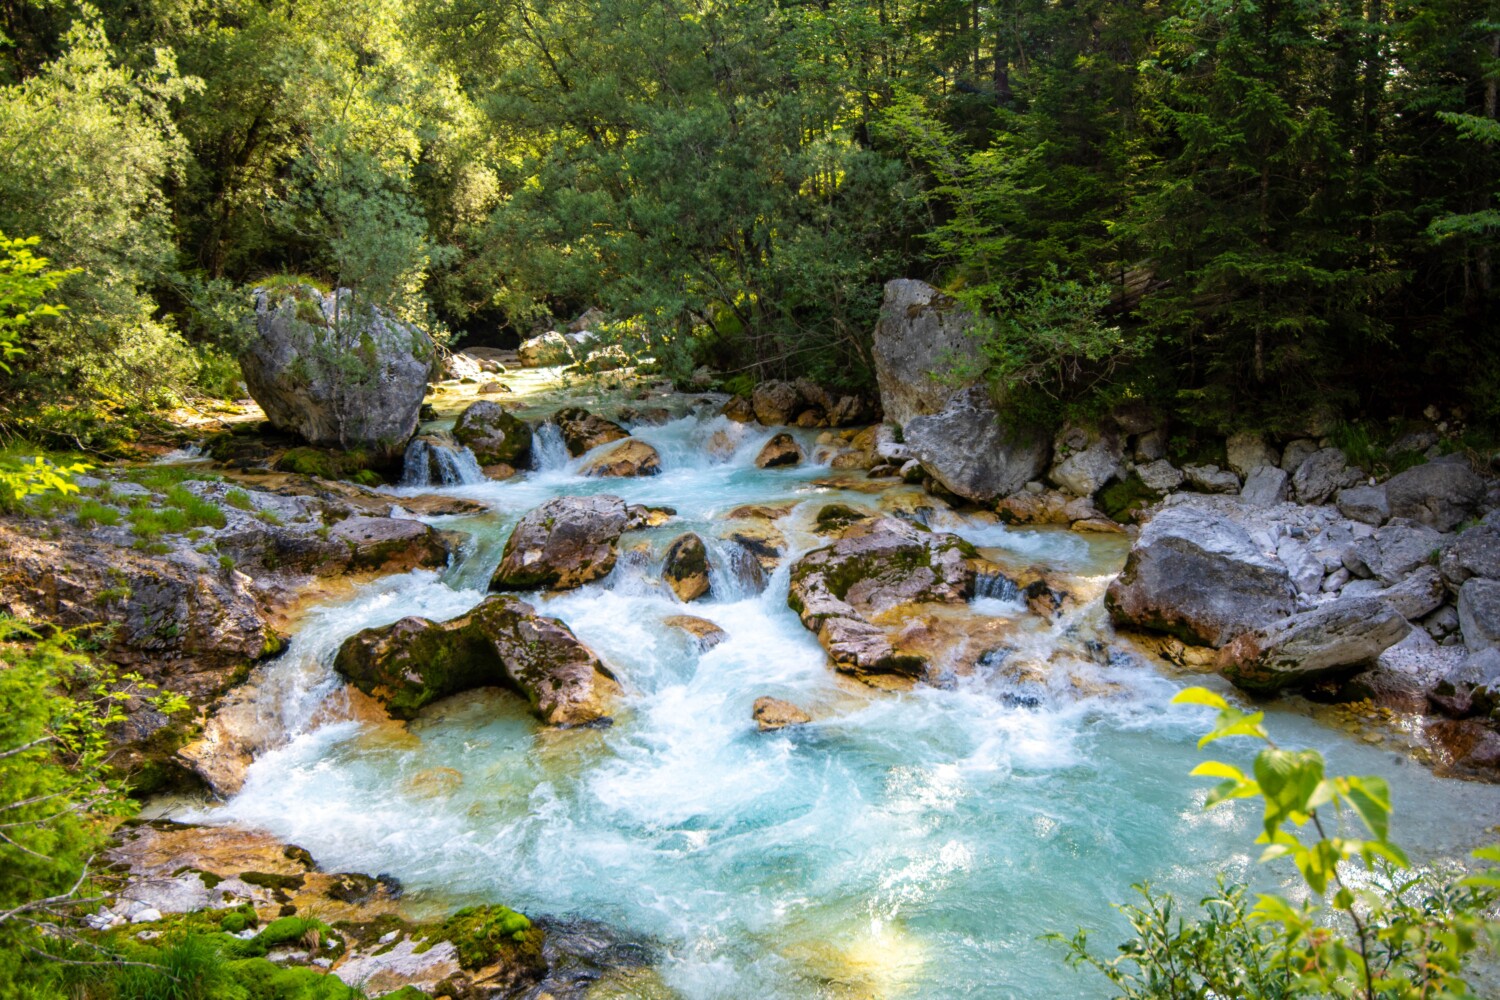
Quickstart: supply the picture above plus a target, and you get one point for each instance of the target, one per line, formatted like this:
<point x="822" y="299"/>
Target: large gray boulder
<point x="1265" y="486"/>
<point x="564" y="543"/>
<point x="1085" y="460"/>
<point x="1196" y="574"/>
<point x="337" y="371"/>
<point x="953" y="428"/>
<point x="970" y="452"/>
<point x="1440" y="494"/>
<point x="1479" y="613"/>
<point x="1336" y="639"/>
<point x="1476" y="552"/>
<point x="1367" y="504"/>
<point x="1319" y="475"/>
<point x="493" y="434"/>
<point x="1248" y="451"/>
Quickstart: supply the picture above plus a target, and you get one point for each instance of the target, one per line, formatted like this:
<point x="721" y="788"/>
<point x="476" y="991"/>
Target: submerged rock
<point x="336" y="371"/>
<point x="686" y="568"/>
<point x="502" y="642"/>
<point x="705" y="633"/>
<point x="1196" y="574"/>
<point x="564" y="543"/>
<point x="772" y="713"/>
<point x="1339" y="638"/>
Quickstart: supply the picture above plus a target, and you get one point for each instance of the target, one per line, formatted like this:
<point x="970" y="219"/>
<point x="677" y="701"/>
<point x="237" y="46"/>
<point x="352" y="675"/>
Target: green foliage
<point x="238" y="499"/>
<point x="1372" y="925"/>
<point x="37" y="475"/>
<point x="92" y="512"/>
<point x="25" y="282"/>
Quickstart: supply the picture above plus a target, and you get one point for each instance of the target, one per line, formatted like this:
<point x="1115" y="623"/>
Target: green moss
<point x="238" y="499"/>
<point x="482" y="934"/>
<point x="309" y="462"/>
<point x="269" y="880"/>
<point x="1120" y="500"/>
<point x="367" y="477"/>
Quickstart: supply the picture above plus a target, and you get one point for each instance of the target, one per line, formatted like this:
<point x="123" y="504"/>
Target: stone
<point x="1400" y="547"/>
<point x="1366" y="504"/>
<point x="583" y="431"/>
<point x="1465" y="747"/>
<point x="1211" y="479"/>
<point x="336" y="374"/>
<point x="953" y="429"/>
<point x="1265" y="486"/>
<point x="739" y="410"/>
<point x="704" y="633"/>
<point x="545" y="350"/>
<point x="1196" y="574"/>
<point x="493" y="388"/>
<point x="1479" y="613"/>
<point x="631" y="457"/>
<point x="782" y="450"/>
<point x="1160" y="476"/>
<point x="1304" y="568"/>
<point x="1084" y="461"/>
<point x="494" y="434"/>
<point x="1248" y="451"/>
<point x="971" y="452"/>
<point x="1336" y="639"/>
<point x="1319" y="476"/>
<point x="390" y="545"/>
<point x="775" y="403"/>
<point x="501" y="642"/>
<point x="1476" y="552"/>
<point x="564" y="543"/>
<point x="878" y="565"/>
<point x="772" y="713"/>
<point x="1150" y="447"/>
<point x="1296" y="452"/>
<point x="847" y="411"/>
<point x="686" y="568"/>
<point x="1047" y="507"/>
<point x="1441" y="495"/>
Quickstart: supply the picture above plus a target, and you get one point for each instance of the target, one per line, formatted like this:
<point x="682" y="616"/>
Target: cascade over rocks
<point x="955" y="431"/>
<point x="1336" y="639"/>
<point x="878" y="565"/>
<point x="583" y="431"/>
<point x="494" y="434"/>
<point x="1195" y="573"/>
<point x="336" y="372"/>
<point x="502" y="642"/>
<point x="564" y="543"/>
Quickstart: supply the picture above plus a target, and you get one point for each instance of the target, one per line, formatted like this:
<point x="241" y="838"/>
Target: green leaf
<point x="1200" y="696"/>
<point x="1371" y="799"/>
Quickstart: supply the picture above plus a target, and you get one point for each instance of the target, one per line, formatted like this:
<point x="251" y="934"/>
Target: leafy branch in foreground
<point x="1371" y="926"/>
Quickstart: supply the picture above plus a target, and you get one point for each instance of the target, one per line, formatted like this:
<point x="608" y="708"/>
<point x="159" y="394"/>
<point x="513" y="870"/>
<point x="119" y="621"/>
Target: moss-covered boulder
<point x="584" y="431"/>
<point x="878" y="565"/>
<point x="494" y="434"/>
<point x="501" y="643"/>
<point x="564" y="543"/>
<point x="685" y="569"/>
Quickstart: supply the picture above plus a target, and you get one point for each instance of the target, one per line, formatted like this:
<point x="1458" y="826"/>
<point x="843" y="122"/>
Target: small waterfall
<point x="432" y="461"/>
<point x="733" y="570"/>
<point x="184" y="456"/>
<point x="996" y="586"/>
<point x="549" y="452"/>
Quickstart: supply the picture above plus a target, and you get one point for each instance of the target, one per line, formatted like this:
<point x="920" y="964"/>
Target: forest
<point x="1233" y="210"/>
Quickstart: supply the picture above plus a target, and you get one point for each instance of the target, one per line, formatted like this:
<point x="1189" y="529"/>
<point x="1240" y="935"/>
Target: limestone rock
<point x="1085" y="460"/>
<point x="1160" y="476"/>
<point x="1336" y="638"/>
<point x="631" y="457"/>
<point x="1476" y="552"/>
<point x="336" y="372"/>
<point x="390" y="545"/>
<point x="1248" y="451"/>
<point x="564" y="543"/>
<point x="781" y="450"/>
<point x="503" y="641"/>
<point x="775" y="403"/>
<point x="1265" y="486"/>
<point x="773" y="713"/>
<point x="1319" y="476"/>
<point x="705" y="633"/>
<point x="739" y="410"/>
<point x="1440" y="494"/>
<point x="584" y="431"/>
<point x="1211" y="479"/>
<point x="969" y="451"/>
<point x="1479" y="613"/>
<point x="545" y="350"/>
<point x="1366" y="504"/>
<point x="1296" y="452"/>
<point x="686" y="568"/>
<point x="1196" y="574"/>
<point x="495" y="435"/>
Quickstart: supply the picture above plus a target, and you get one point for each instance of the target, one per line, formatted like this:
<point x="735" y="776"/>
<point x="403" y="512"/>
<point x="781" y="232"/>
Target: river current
<point x="904" y="844"/>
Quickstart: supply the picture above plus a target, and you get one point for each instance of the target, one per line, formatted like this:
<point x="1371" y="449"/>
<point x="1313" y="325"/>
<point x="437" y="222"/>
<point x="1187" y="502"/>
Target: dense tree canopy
<point x="1234" y="209"/>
